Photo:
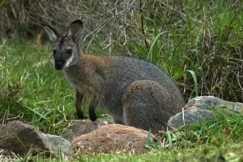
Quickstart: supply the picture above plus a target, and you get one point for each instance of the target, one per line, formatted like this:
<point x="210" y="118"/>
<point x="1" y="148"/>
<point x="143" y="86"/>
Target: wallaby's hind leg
<point x="147" y="105"/>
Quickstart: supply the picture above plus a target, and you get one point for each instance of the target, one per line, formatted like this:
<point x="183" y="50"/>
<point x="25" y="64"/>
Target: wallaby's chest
<point x="77" y="82"/>
<point x="84" y="86"/>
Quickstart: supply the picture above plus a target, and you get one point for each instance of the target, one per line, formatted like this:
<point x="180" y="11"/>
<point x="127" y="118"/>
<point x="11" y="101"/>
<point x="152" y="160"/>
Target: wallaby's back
<point x="125" y="70"/>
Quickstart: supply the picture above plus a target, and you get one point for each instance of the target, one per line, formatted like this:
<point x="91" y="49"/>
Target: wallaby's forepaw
<point x="80" y="115"/>
<point x="92" y="116"/>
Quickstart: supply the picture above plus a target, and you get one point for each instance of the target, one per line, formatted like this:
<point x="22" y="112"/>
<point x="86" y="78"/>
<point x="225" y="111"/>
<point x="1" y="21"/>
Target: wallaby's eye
<point x="69" y="51"/>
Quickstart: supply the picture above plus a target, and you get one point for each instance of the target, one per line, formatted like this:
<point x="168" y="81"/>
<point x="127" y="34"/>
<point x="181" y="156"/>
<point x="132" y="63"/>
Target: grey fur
<point x="133" y="91"/>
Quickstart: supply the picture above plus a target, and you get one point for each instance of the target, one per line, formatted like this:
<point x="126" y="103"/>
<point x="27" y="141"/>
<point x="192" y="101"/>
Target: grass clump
<point x="225" y="127"/>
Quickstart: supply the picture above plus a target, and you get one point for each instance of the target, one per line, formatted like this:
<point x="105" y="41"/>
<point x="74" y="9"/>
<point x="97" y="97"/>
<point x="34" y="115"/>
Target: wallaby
<point x="135" y="92"/>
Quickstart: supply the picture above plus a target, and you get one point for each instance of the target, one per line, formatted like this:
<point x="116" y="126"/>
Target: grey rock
<point x="189" y="116"/>
<point x="21" y="138"/>
<point x="206" y="102"/>
<point x="200" y="108"/>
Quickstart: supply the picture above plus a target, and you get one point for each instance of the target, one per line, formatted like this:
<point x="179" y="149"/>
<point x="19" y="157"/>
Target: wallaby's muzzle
<point x="59" y="64"/>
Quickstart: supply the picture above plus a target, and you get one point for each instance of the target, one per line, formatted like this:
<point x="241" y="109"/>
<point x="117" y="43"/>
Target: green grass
<point x="41" y="96"/>
<point x="198" y="43"/>
<point x="204" y="37"/>
<point x="36" y="94"/>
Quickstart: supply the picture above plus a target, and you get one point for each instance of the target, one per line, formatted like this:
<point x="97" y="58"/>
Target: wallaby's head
<point x="66" y="47"/>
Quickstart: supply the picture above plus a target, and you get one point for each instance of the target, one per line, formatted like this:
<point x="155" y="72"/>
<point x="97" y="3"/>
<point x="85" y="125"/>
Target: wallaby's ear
<point x="52" y="33"/>
<point x="75" y="30"/>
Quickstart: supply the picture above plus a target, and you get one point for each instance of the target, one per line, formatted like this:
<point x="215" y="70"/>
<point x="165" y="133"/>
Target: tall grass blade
<point x="195" y="81"/>
<point x="153" y="53"/>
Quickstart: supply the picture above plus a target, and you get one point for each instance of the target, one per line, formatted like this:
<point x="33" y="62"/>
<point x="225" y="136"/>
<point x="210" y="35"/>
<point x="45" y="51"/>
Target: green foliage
<point x="34" y="92"/>
<point x="203" y="37"/>
<point x="200" y="37"/>
<point x="31" y="90"/>
<point x="198" y="43"/>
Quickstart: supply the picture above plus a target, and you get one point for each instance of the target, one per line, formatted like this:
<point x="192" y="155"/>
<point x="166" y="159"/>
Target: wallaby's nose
<point x="59" y="65"/>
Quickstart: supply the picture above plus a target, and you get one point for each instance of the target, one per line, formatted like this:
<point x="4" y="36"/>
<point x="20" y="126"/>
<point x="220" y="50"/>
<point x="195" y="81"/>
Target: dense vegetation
<point x="198" y="43"/>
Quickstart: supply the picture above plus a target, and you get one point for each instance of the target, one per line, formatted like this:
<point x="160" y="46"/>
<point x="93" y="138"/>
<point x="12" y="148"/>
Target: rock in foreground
<point x="113" y="138"/>
<point x="21" y="138"/>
